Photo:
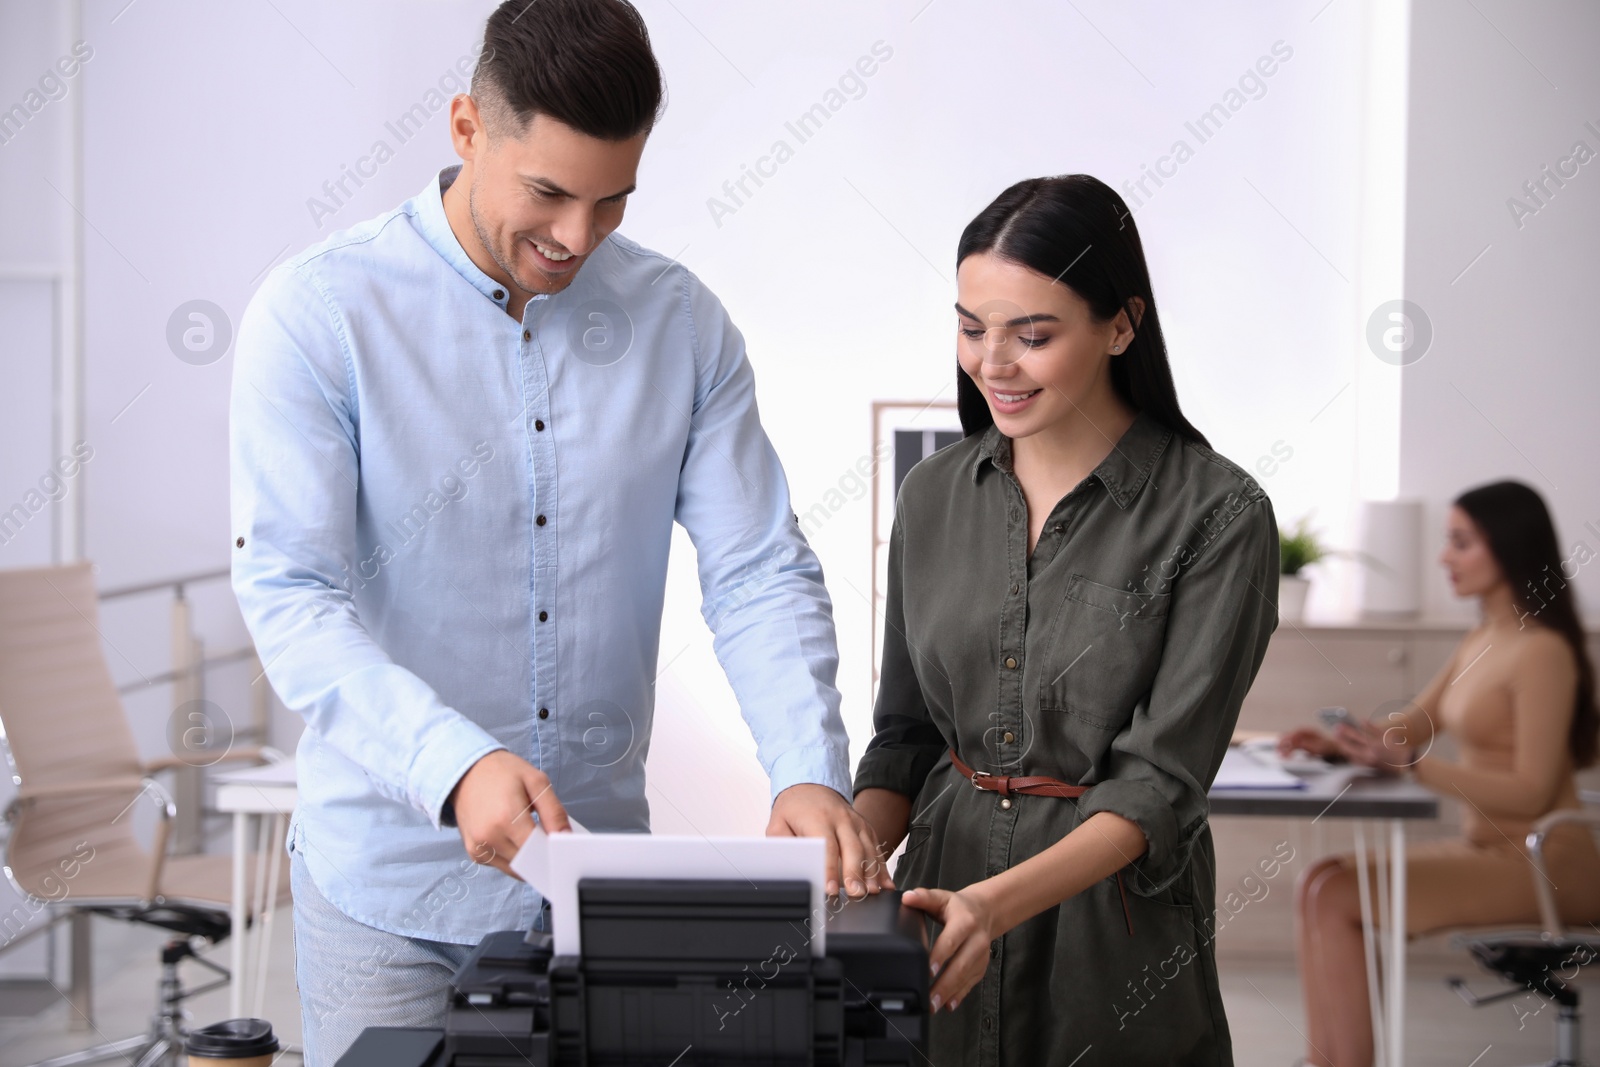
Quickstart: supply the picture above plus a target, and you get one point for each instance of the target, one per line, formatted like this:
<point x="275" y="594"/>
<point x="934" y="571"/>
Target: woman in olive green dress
<point x="1079" y="592"/>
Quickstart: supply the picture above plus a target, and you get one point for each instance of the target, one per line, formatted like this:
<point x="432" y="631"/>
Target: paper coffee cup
<point x="233" y="1043"/>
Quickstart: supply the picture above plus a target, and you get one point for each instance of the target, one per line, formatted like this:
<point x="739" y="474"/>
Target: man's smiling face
<point x="540" y="202"/>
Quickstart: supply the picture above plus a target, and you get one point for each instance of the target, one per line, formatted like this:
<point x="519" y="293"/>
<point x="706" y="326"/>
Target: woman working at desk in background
<point x="1518" y="696"/>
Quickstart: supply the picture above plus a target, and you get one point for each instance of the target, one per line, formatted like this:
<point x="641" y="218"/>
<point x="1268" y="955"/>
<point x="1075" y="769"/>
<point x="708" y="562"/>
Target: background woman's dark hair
<point x="585" y="63"/>
<point x="1514" y="520"/>
<point x="1076" y="229"/>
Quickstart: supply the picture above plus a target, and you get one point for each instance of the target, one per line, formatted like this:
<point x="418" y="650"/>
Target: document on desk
<point x="553" y="863"/>
<point x="1241" y="770"/>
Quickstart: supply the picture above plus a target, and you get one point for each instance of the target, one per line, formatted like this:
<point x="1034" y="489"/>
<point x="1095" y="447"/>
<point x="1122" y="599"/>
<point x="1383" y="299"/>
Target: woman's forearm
<point x="1504" y="792"/>
<point x="1097" y="848"/>
<point x="888" y="813"/>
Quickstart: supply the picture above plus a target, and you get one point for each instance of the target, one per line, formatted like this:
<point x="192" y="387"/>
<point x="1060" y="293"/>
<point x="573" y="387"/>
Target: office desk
<point x="1351" y="793"/>
<point x="255" y="793"/>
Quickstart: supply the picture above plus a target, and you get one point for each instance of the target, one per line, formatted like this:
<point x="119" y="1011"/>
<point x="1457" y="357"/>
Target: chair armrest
<point x="1542" y="884"/>
<point x="123" y="784"/>
<point x="127" y="783"/>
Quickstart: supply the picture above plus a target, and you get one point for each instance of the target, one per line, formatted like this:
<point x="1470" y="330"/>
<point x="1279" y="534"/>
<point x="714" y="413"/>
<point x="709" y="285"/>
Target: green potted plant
<point x="1297" y="548"/>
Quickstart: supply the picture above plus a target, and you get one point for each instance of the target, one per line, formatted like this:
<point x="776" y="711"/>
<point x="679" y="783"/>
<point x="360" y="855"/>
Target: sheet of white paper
<point x="553" y="863"/>
<point x="532" y="861"/>
<point x="1240" y="771"/>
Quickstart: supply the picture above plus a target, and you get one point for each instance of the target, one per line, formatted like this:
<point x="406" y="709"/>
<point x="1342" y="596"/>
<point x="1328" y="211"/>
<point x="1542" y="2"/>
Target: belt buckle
<point x="979" y="774"/>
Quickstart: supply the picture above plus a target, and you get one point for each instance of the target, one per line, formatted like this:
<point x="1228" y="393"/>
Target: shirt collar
<point x="1123" y="472"/>
<point x="435" y="228"/>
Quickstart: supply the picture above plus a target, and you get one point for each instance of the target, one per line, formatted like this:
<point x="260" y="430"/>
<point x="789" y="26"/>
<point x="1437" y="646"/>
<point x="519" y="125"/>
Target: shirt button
<point x="1010" y="737"/>
<point x="1056" y="527"/>
<point x="544" y="713"/>
<point x="1011" y="662"/>
<point x="499" y="294"/>
<point x="240" y="542"/>
<point x="1016" y="588"/>
<point x="543" y="615"/>
<point x="528" y="334"/>
<point x="538" y="424"/>
<point x="988" y="1022"/>
<point x="539" y="520"/>
<point x="1005" y="802"/>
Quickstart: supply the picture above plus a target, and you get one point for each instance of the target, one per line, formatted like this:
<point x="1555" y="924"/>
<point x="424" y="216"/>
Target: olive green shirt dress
<point x="1116" y="657"/>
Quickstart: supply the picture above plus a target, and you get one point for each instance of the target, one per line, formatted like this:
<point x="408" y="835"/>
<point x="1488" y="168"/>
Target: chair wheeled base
<point x="163" y="1044"/>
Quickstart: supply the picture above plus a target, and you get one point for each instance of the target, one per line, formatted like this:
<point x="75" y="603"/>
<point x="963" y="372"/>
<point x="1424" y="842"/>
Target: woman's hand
<point x="960" y="956"/>
<point x="1305" y="739"/>
<point x="1373" y="746"/>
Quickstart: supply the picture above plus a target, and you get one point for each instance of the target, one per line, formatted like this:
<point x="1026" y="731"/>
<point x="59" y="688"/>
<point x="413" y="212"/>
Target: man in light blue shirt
<point x="461" y="433"/>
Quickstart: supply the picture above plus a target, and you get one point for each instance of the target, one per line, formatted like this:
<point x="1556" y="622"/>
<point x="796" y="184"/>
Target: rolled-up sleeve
<point x="905" y="742"/>
<point x="295" y="467"/>
<point x="1161" y="766"/>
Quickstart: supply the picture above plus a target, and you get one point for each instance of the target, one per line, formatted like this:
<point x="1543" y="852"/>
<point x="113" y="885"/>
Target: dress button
<point x="539" y="520"/>
<point x="240" y="542"/>
<point x="544" y="713"/>
<point x="527" y="335"/>
<point x="1010" y="737"/>
<point x="499" y="294"/>
<point x="1056" y="527"/>
<point x="1011" y="662"/>
<point x="1016" y="588"/>
<point x="543" y="615"/>
<point x="1005" y="802"/>
<point x="538" y="424"/>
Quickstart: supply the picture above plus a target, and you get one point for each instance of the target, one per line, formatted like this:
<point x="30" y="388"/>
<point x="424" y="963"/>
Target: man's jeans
<point x="352" y="976"/>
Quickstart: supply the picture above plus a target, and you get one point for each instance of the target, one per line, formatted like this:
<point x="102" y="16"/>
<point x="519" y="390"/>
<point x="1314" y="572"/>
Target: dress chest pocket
<point x="1100" y="651"/>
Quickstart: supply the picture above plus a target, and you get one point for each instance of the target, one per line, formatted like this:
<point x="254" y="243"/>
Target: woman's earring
<point x="1116" y="348"/>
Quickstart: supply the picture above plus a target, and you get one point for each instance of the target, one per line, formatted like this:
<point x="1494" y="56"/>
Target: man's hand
<point x="811" y="810"/>
<point x="494" y="804"/>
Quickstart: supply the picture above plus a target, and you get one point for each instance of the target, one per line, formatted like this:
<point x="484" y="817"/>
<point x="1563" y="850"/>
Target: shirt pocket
<point x="1101" y="651"/>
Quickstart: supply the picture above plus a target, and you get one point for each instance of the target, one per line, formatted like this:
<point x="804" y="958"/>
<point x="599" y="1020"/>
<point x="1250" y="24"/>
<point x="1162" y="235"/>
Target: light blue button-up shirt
<point x="452" y="534"/>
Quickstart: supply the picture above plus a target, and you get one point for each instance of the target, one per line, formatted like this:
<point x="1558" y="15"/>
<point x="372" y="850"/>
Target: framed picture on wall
<point x="904" y="433"/>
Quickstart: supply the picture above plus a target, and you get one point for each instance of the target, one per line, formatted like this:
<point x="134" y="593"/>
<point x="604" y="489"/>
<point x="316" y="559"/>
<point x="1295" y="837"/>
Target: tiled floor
<point x="1262" y="996"/>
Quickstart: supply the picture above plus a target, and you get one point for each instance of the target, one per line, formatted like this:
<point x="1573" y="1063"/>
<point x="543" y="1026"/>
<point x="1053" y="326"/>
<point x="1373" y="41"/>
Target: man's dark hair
<point x="585" y="63"/>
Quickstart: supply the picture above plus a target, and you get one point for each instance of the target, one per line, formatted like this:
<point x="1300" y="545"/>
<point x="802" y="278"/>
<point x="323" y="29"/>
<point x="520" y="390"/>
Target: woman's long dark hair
<point x="1075" y="229"/>
<point x="1514" y="520"/>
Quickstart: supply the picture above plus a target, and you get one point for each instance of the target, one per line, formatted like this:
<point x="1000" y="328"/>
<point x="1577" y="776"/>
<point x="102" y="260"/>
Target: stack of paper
<point x="1241" y="770"/>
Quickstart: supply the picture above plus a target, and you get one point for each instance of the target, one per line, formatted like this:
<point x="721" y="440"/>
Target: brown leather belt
<point x="1033" y="785"/>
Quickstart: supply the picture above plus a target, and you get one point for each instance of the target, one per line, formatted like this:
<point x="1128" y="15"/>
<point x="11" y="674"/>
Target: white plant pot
<point x="1292" y="590"/>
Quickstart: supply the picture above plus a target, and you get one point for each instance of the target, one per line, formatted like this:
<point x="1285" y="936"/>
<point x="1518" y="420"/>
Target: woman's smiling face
<point x="1032" y="345"/>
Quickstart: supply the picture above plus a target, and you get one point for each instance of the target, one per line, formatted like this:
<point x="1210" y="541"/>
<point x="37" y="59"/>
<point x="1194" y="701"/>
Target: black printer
<point x="686" y="972"/>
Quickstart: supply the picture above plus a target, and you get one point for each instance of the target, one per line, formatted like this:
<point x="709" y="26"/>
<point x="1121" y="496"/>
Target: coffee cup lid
<point x="233" y="1039"/>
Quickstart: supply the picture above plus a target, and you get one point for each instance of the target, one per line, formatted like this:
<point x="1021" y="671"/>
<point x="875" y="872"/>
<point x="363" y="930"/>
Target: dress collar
<point x="1123" y="472"/>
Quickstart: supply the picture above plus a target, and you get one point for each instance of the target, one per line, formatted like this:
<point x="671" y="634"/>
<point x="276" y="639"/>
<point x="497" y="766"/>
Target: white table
<point x="1345" y="794"/>
<point x="255" y="793"/>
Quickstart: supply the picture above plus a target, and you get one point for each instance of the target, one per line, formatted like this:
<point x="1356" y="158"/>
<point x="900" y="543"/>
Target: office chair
<point x="78" y="776"/>
<point x="1544" y="961"/>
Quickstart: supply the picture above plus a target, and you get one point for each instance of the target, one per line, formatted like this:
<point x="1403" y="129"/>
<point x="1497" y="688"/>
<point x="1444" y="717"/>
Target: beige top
<point x="1506" y="696"/>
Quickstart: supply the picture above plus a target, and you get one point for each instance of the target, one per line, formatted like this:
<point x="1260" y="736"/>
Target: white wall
<point x="208" y="127"/>
<point x="1511" y="386"/>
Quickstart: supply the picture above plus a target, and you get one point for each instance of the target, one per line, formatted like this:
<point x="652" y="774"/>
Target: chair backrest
<point x="65" y="727"/>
